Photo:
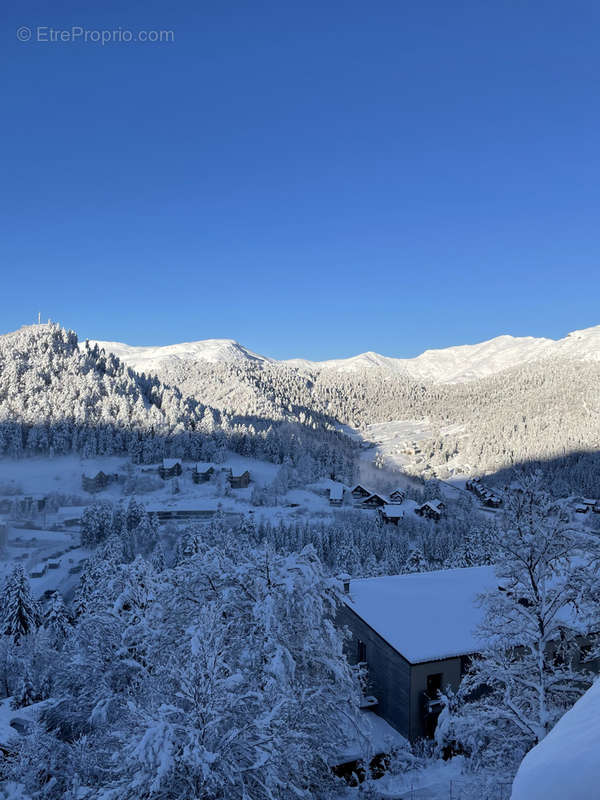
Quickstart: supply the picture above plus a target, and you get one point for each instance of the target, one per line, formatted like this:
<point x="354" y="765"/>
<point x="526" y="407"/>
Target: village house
<point x="202" y="472"/>
<point x="374" y="501"/>
<point x="98" y="482"/>
<point x="170" y="468"/>
<point x="336" y="495"/>
<point x="432" y="509"/>
<point x="397" y="496"/>
<point x="239" y="481"/>
<point x="390" y="513"/>
<point x="492" y="501"/>
<point x="360" y="493"/>
<point x="411" y="645"/>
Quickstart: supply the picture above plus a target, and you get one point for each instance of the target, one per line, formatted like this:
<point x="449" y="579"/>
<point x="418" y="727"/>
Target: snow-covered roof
<point x="371" y="736"/>
<point x="435" y="505"/>
<point x="204" y="466"/>
<point x="391" y="510"/>
<point x="565" y="764"/>
<point x="425" y="616"/>
<point x="168" y="463"/>
<point x="336" y="492"/>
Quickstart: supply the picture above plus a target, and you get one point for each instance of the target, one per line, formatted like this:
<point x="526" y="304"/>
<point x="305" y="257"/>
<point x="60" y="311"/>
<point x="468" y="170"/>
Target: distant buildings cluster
<point x="388" y="507"/>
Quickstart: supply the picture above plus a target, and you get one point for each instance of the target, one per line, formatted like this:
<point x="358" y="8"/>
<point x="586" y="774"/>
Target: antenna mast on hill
<point x="39" y="317"/>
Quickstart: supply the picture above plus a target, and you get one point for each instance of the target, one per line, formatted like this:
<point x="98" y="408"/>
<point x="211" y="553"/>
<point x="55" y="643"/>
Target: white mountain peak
<point x="448" y="365"/>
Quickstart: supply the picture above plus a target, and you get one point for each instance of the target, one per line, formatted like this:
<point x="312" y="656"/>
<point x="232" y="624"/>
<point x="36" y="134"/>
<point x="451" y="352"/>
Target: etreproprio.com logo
<point x="79" y="34"/>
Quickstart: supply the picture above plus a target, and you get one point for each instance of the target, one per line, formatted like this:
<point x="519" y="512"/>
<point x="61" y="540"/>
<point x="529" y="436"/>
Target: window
<point x="361" y="652"/>
<point x="434" y="684"/>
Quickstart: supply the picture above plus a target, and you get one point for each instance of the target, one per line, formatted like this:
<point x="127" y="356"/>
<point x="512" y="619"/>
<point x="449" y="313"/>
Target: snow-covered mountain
<point x="152" y="359"/>
<point x="448" y="365"/>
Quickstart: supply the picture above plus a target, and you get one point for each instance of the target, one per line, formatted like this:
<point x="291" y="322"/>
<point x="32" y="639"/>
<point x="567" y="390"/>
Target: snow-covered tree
<point x="25" y="694"/>
<point x="529" y="671"/>
<point x="57" y="620"/>
<point x="20" y="612"/>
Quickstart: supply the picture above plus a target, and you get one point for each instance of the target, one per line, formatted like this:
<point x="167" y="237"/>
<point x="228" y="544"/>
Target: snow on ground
<point x="35" y="548"/>
<point x="23" y="715"/>
<point x="435" y="780"/>
<point x="402" y="444"/>
<point x="566" y="764"/>
<point x="428" y="632"/>
<point x="41" y="475"/>
<point x="149" y="359"/>
<point x="397" y="441"/>
<point x="372" y="736"/>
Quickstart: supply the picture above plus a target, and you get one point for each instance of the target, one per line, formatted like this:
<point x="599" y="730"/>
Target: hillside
<point x="525" y="400"/>
<point x="57" y="397"/>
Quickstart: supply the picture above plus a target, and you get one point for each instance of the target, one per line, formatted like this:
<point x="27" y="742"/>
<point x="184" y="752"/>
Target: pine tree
<point x="56" y="620"/>
<point x="25" y="694"/>
<point x="21" y="614"/>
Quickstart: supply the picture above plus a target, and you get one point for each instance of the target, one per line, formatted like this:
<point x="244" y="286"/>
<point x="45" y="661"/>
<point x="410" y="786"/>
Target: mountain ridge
<point x="453" y="364"/>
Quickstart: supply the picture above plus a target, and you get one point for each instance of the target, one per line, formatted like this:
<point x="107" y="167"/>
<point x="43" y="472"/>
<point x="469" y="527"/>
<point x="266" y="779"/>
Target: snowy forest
<point x="57" y="397"/>
<point x="545" y="413"/>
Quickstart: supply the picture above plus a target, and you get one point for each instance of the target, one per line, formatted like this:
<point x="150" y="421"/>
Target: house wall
<point x="398" y="685"/>
<point x="451" y="671"/>
<point x="389" y="672"/>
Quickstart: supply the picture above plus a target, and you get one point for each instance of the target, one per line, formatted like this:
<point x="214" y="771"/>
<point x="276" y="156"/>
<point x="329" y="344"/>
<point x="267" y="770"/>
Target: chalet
<point x="336" y="495"/>
<point x="591" y="504"/>
<point x="239" y="481"/>
<point x="170" y="468"/>
<point x="98" y="482"/>
<point x="411" y="646"/>
<point x="432" y="509"/>
<point x="202" y="472"/>
<point x="39" y="570"/>
<point x="397" y="496"/>
<point x="390" y="513"/>
<point x="374" y="501"/>
<point x="492" y="501"/>
<point x="580" y="508"/>
<point x="360" y="493"/>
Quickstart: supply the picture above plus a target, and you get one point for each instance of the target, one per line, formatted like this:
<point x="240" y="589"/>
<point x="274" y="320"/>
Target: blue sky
<point x="314" y="179"/>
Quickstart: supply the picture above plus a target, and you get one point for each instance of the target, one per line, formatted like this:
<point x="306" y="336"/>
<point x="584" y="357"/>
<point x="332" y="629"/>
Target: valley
<point x="134" y="480"/>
